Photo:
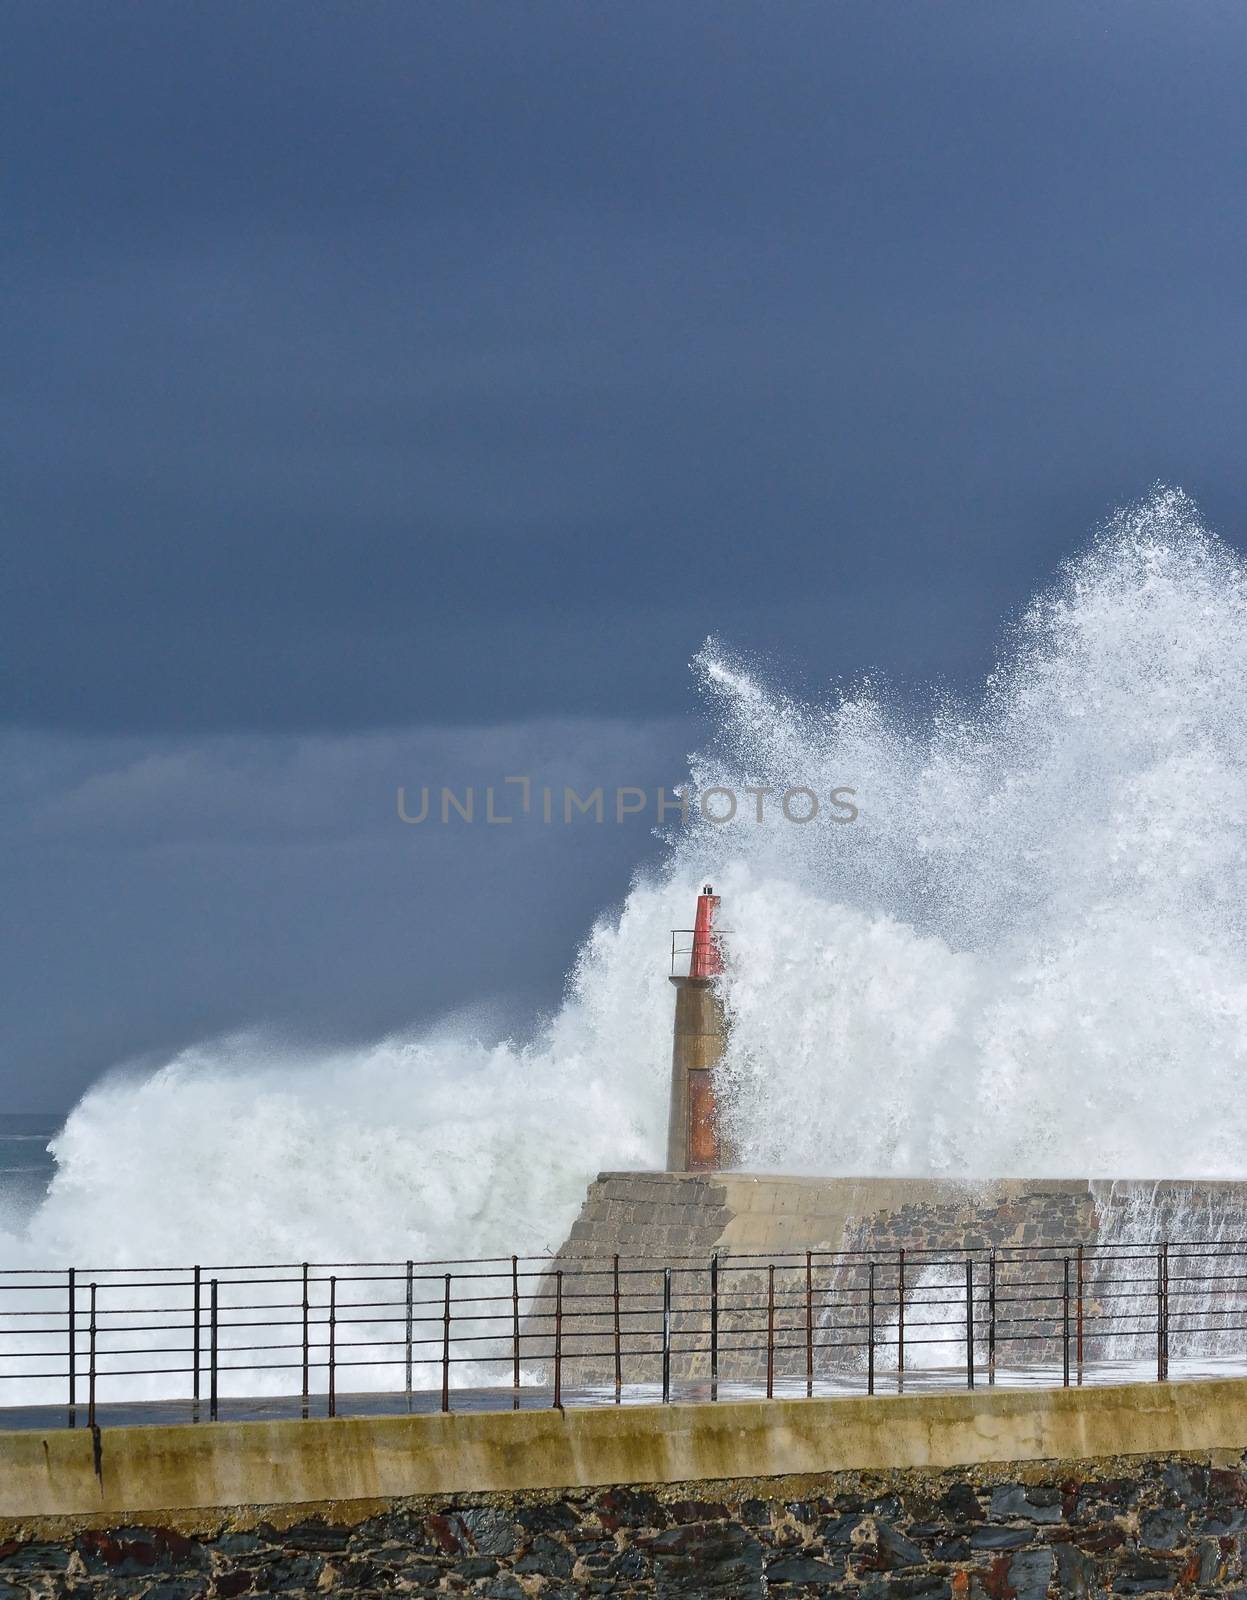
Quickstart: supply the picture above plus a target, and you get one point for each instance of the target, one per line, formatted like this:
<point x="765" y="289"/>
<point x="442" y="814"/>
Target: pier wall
<point x="661" y="1215"/>
<point x="652" y="1220"/>
<point x="988" y="1496"/>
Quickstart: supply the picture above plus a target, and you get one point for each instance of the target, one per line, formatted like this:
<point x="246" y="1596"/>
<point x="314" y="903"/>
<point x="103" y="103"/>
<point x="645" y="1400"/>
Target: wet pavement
<point x="139" y="1413"/>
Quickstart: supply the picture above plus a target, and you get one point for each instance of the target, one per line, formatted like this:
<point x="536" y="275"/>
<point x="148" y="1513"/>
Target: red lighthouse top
<point x="707" y="959"/>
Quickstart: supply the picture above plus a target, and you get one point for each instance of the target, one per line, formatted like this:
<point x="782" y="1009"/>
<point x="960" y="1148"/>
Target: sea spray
<point x="435" y="1145"/>
<point x="1025" y="957"/>
<point x="1028" y="957"/>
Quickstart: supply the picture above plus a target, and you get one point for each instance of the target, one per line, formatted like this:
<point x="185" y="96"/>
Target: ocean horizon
<point x="26" y="1164"/>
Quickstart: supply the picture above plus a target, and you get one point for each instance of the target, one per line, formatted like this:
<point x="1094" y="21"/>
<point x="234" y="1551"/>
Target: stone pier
<point x="745" y="1222"/>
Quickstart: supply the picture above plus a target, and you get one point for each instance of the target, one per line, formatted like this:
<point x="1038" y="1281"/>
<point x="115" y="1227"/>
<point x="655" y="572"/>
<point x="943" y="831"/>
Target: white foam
<point x="1025" y="958"/>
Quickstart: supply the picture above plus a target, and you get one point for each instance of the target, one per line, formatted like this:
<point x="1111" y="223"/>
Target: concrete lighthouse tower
<point x="695" y="1141"/>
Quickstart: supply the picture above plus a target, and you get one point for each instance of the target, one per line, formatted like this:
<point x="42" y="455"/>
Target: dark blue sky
<point x="387" y="385"/>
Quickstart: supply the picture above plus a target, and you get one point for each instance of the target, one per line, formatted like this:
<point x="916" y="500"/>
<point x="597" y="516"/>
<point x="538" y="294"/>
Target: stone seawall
<point x="1173" y="1525"/>
<point x="666" y="1214"/>
<point x="993" y="1496"/>
<point x="683" y="1220"/>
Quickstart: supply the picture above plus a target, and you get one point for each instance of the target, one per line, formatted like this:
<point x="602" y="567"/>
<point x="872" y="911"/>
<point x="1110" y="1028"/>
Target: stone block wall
<point x="682" y="1221"/>
<point x="649" y="1214"/>
<point x="1169" y="1525"/>
<point x="661" y="1215"/>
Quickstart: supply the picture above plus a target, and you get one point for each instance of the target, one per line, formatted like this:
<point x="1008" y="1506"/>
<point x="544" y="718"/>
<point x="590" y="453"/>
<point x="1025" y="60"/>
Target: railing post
<point x="91" y="1333"/>
<point x="213" y="1323"/>
<point x="666" y="1335"/>
<point x="409" y="1331"/>
<point x="446" y="1343"/>
<point x="809" y="1324"/>
<point x="558" y="1340"/>
<point x="1065" y="1322"/>
<point x="1160" y="1316"/>
<point x="991" y="1316"/>
<point x="618" y="1331"/>
<point x="770" y="1331"/>
<point x="969" y="1322"/>
<point x="1166" y="1248"/>
<point x="73" y="1353"/>
<point x="1078" y="1349"/>
<point x="306" y="1342"/>
<point x="197" y="1353"/>
<point x="333" y="1346"/>
<point x="870" y="1328"/>
<point x="714" y="1326"/>
<point x="515" y="1331"/>
<point x="900" y="1315"/>
<point x="1164" y="1321"/>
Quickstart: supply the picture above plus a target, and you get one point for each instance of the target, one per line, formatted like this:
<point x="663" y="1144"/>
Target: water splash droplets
<point x="1026" y="958"/>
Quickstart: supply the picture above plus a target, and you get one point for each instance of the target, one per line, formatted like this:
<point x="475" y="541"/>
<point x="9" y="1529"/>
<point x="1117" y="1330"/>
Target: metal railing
<point x="685" y="945"/>
<point x="681" y="951"/>
<point x="562" y="1330"/>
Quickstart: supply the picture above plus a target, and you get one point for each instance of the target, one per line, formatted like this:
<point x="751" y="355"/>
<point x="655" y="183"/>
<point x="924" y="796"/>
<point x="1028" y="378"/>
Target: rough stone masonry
<point x="1172" y="1525"/>
<point x="657" y="1219"/>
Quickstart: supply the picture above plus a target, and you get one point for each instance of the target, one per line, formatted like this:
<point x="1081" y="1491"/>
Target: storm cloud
<point x="387" y="385"/>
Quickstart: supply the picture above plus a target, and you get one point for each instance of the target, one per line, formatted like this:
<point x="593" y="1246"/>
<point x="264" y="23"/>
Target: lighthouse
<point x="695" y="1141"/>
